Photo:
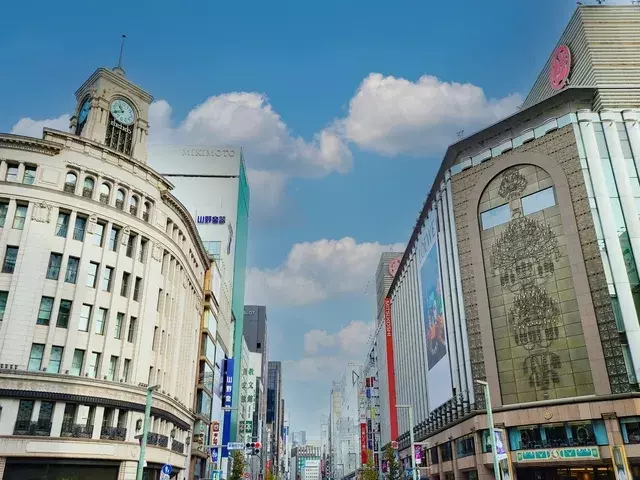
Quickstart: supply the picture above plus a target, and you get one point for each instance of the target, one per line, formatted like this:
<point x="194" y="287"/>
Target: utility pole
<point x="145" y="431"/>
<point x="492" y="430"/>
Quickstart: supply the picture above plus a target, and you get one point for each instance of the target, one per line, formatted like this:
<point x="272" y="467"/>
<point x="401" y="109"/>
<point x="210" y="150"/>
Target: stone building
<point x="522" y="273"/>
<point x="101" y="294"/>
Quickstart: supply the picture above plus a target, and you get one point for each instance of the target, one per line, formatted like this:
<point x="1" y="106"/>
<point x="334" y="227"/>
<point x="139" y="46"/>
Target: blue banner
<point x="227" y="402"/>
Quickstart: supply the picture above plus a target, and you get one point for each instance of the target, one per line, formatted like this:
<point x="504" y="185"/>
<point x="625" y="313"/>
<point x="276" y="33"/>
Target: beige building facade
<point x="101" y="296"/>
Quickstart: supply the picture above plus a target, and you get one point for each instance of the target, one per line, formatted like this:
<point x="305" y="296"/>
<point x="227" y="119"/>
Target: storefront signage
<point x="363" y="443"/>
<point x="211" y="220"/>
<point x="391" y="375"/>
<point x="552" y="454"/>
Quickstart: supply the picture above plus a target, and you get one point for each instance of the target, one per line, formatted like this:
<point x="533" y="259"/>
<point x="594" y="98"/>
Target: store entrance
<point x="565" y="473"/>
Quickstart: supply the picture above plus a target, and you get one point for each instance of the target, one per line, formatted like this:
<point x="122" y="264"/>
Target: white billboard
<point x="439" y="388"/>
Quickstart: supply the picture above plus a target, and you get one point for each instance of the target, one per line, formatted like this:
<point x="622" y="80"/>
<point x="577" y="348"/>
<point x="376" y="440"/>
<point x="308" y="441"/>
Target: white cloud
<point x="247" y="119"/>
<point x="392" y="115"/>
<point x="315" y="271"/>
<point x="352" y="339"/>
<point x="33" y="128"/>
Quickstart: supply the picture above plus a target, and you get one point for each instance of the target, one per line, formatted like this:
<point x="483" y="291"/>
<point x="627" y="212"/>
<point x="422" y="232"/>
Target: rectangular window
<point x="113" y="368"/>
<point x="101" y="319"/>
<point x="496" y="216"/>
<point x="53" y="269"/>
<point x="142" y="254"/>
<point x="44" y="312"/>
<point x="78" y="360"/>
<point x="159" y="303"/>
<point x="137" y="286"/>
<point x="20" y="217"/>
<point x="119" y="322"/>
<point x="94" y="364"/>
<point x="154" y="343"/>
<point x="126" y="368"/>
<point x="35" y="357"/>
<point x="131" y="245"/>
<point x="4" y="209"/>
<point x="44" y="416"/>
<point x="3" y="303"/>
<point x="114" y="234"/>
<point x="98" y="234"/>
<point x="78" y="231"/>
<point x="10" y="258"/>
<point x="538" y="201"/>
<point x="85" y="318"/>
<point x="62" y="224"/>
<point x="92" y="274"/>
<point x="29" y="175"/>
<point x="131" y="334"/>
<point x="72" y="270"/>
<point x="64" y="312"/>
<point x="12" y="172"/>
<point x="124" y="288"/>
<point x="107" y="275"/>
<point x="55" y="359"/>
<point x="25" y="411"/>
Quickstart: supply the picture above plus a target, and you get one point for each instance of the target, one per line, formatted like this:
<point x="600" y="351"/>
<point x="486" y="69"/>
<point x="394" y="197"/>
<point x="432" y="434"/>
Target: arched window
<point x="105" y="192"/>
<point x="120" y="199"/>
<point x="87" y="188"/>
<point x="133" y="205"/>
<point x="146" y="211"/>
<point x="70" y="182"/>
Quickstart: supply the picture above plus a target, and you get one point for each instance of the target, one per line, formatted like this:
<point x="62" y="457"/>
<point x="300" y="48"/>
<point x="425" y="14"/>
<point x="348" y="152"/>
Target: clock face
<point x="122" y="112"/>
<point x="84" y="111"/>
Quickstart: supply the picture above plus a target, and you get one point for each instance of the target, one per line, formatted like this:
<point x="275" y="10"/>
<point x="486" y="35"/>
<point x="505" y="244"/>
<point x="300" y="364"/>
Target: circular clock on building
<point x="122" y="112"/>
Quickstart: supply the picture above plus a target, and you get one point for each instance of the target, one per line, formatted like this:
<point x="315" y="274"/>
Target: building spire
<point x="118" y="68"/>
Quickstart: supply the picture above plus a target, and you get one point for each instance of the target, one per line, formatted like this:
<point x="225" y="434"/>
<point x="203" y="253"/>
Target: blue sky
<point x="342" y="136"/>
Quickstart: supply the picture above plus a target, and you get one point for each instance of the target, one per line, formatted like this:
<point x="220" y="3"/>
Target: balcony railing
<point x="37" y="429"/>
<point x="104" y="198"/>
<point x="120" y="204"/>
<point x="157" y="439"/>
<point x="76" y="430"/>
<point x="87" y="192"/>
<point x="145" y="216"/>
<point x="133" y="210"/>
<point x="113" y="433"/>
<point x="177" y="446"/>
<point x="70" y="187"/>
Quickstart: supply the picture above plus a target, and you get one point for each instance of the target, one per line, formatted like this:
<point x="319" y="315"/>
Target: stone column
<point x="57" y="418"/>
<point x="97" y="423"/>
<point x="3" y="462"/>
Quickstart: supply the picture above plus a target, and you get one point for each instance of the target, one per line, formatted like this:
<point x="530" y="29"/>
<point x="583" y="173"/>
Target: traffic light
<point x="253" y="448"/>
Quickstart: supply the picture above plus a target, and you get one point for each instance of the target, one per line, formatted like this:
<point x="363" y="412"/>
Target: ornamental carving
<point x="41" y="212"/>
<point x="512" y="185"/>
<point x="91" y="226"/>
<point x="126" y="231"/>
<point x="524" y="257"/>
<point x="156" y="253"/>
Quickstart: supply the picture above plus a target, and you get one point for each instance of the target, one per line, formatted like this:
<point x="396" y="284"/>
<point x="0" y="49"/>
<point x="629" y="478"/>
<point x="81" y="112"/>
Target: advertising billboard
<point x="363" y="443"/>
<point x="226" y="402"/>
<point x="439" y="371"/>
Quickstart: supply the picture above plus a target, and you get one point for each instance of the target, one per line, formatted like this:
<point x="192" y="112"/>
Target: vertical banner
<point x="391" y="369"/>
<point x="227" y="402"/>
<point x="620" y="463"/>
<point x="418" y="454"/>
<point x="439" y="370"/>
<point x="363" y="443"/>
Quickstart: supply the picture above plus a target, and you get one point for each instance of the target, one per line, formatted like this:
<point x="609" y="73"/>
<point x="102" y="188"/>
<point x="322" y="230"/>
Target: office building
<point x="274" y="420"/>
<point x="101" y="294"/>
<point x="522" y="272"/>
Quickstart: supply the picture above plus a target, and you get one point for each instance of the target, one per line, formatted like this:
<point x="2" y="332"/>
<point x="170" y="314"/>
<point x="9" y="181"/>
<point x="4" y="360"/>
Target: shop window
<point x="529" y="438"/>
<point x="465" y="446"/>
<point x="494" y="217"/>
<point x="582" y="433"/>
<point x="555" y="435"/>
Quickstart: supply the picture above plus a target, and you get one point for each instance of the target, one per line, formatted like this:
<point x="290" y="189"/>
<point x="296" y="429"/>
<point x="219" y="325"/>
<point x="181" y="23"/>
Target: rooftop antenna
<point x="118" y="68"/>
<point x="460" y="134"/>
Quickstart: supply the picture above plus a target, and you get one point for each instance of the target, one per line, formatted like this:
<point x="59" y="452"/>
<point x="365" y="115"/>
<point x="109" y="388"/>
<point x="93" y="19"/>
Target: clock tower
<point x="113" y="111"/>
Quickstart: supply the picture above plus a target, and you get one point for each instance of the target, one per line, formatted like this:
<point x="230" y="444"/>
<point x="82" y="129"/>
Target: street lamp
<point x="492" y="432"/>
<point x="414" y="471"/>
<point x="145" y="431"/>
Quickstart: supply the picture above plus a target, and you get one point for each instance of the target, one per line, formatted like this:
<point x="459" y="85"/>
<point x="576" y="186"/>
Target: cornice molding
<point x="119" y="80"/>
<point x="29" y="144"/>
<point x="173" y="203"/>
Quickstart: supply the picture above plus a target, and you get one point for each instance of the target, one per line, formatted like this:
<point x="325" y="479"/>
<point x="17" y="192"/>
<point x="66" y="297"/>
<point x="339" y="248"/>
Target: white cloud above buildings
<point x="387" y="115"/>
<point x="316" y="271"/>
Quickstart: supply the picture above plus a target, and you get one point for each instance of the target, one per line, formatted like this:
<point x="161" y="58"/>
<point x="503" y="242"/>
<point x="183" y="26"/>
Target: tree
<point x="393" y="467"/>
<point x="237" y="468"/>
<point x="369" y="470"/>
<point x="269" y="476"/>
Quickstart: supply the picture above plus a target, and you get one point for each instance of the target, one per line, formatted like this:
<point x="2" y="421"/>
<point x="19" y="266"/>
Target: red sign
<point x="391" y="369"/>
<point x="560" y="67"/>
<point x="363" y="443"/>
<point x="215" y="432"/>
